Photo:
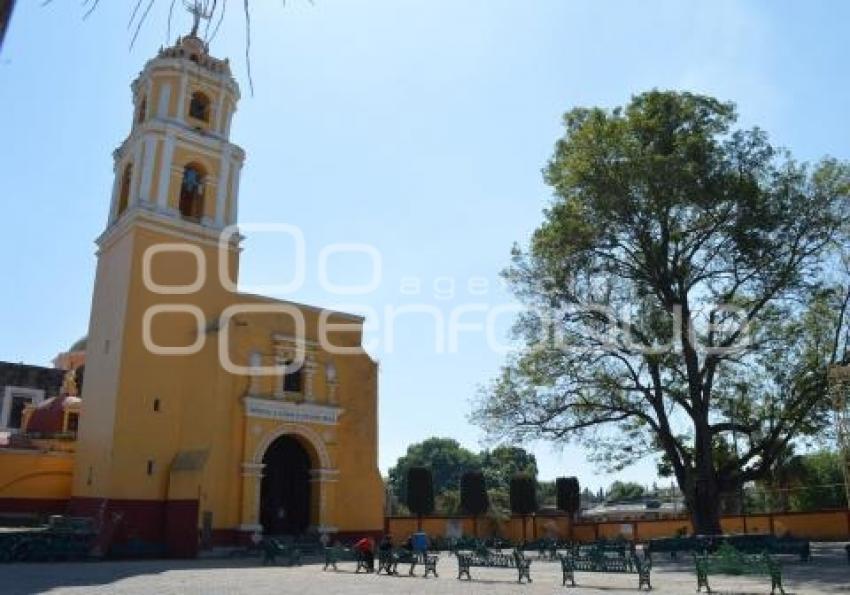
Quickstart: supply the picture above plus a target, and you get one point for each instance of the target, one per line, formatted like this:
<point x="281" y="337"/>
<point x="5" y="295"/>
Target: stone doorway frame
<point x="322" y="475"/>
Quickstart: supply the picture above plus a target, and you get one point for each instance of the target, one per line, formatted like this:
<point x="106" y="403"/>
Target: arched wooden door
<point x="285" y="490"/>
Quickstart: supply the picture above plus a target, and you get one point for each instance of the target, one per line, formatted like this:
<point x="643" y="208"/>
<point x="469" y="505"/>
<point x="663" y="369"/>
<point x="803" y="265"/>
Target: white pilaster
<point x="137" y="166"/>
<point x="181" y="98"/>
<point x="221" y="198"/>
<point x="147" y="172"/>
<point x="165" y="171"/>
<point x="164" y="101"/>
<point x="228" y="119"/>
<point x="255" y="361"/>
<point x="310" y="367"/>
<point x="219" y="110"/>
<point x="113" y="202"/>
<point x="234" y="193"/>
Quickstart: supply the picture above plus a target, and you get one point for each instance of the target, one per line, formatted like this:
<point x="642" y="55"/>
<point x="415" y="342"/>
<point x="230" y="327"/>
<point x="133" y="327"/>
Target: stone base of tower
<point x="136" y="528"/>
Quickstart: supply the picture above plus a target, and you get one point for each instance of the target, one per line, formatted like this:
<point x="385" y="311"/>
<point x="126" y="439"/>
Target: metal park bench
<point x="616" y="547"/>
<point x="546" y="549"/>
<point x="598" y="561"/>
<point x="388" y="561"/>
<point x="464" y="544"/>
<point x="671" y="545"/>
<point x="336" y="554"/>
<point x="494" y="560"/>
<point x="728" y="560"/>
<point x="274" y="548"/>
<point x="64" y="538"/>
<point x="748" y="543"/>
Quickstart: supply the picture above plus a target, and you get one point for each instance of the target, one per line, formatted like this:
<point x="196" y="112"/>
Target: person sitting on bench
<point x="366" y="548"/>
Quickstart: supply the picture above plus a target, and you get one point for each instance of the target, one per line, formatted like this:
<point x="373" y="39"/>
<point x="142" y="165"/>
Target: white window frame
<point x="36" y="394"/>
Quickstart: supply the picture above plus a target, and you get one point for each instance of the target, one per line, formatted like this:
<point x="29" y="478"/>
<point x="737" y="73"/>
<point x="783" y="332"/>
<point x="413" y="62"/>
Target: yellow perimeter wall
<point x="817" y="526"/>
<point x="33" y="481"/>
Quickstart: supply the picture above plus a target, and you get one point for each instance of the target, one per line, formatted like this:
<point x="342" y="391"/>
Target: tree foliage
<point x="523" y="492"/>
<point x="676" y="296"/>
<point x="473" y="493"/>
<point x="568" y="494"/>
<point x="504" y="462"/>
<point x="625" y="491"/>
<point x="446" y="459"/>
<point x="420" y="491"/>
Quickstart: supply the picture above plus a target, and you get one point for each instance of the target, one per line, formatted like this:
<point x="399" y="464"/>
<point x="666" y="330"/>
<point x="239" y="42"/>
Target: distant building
<point x="22" y="385"/>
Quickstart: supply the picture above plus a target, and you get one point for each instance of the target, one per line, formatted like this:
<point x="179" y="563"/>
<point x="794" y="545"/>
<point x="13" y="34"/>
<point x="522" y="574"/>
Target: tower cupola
<point x="178" y="163"/>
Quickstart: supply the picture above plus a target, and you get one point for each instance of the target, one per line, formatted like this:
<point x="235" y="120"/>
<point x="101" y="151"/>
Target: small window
<point x="143" y="110"/>
<point x="292" y="381"/>
<point x="199" y="107"/>
<point x="124" y="193"/>
<point x="156" y="405"/>
<point x="192" y="193"/>
<point x="150" y="466"/>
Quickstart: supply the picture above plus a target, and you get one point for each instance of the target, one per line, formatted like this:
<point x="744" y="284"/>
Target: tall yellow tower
<point x="176" y="188"/>
<point x="207" y="411"/>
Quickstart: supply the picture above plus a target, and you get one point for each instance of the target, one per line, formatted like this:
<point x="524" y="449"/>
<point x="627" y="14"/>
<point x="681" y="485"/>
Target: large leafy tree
<point x="620" y="491"/>
<point x="668" y="289"/>
<point x="446" y="459"/>
<point x="502" y="463"/>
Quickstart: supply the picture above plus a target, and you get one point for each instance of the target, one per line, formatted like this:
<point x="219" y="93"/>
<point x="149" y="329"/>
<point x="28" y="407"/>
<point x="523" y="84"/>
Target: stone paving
<point x="827" y="573"/>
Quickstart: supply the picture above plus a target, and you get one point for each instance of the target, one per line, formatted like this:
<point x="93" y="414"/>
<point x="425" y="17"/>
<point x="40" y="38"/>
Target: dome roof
<point x="49" y="415"/>
<point x="80" y="345"/>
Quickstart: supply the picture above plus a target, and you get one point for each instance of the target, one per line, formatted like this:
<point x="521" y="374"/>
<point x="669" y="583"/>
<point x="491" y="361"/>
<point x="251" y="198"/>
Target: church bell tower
<point x="178" y="161"/>
<point x="167" y="264"/>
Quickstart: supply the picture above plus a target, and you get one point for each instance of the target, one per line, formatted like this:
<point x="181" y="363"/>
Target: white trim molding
<point x="310" y="436"/>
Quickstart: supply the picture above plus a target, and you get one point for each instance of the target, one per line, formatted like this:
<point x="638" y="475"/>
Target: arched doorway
<point x="285" y="489"/>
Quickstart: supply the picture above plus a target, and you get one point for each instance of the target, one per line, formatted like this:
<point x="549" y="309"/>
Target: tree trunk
<point x="702" y="490"/>
<point x="704" y="504"/>
<point x="6" y="7"/>
<point x="475" y="525"/>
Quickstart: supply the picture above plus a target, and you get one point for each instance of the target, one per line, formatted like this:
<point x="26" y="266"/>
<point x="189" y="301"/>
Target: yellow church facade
<point x="210" y="415"/>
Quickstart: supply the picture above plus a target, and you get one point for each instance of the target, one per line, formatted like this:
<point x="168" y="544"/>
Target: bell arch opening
<point x="192" y="189"/>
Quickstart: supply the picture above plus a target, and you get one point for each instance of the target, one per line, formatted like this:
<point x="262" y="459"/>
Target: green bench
<point x="747" y="543"/>
<point x="728" y="560"/>
<point x="63" y="538"/>
<point x="465" y="544"/>
<point x="599" y="561"/>
<point x="546" y="549"/>
<point x="274" y="548"/>
<point x="493" y="560"/>
<point x="388" y="562"/>
<point x="336" y="554"/>
<point x="617" y="547"/>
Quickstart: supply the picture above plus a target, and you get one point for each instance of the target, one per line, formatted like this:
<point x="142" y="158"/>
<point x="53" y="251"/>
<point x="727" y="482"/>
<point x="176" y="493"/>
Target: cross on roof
<point x="198" y="10"/>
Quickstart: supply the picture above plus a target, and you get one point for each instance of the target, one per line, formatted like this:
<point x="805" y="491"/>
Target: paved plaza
<point x="827" y="573"/>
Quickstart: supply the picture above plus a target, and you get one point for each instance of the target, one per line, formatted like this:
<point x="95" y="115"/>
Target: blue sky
<point x="417" y="127"/>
